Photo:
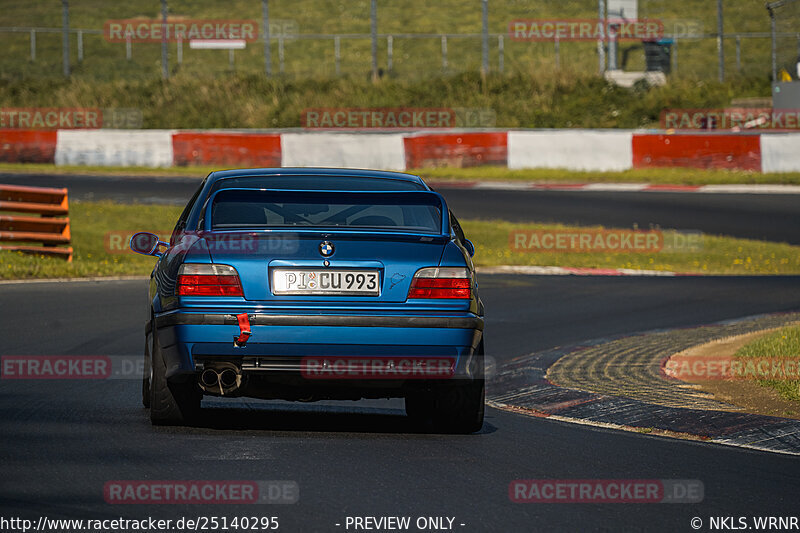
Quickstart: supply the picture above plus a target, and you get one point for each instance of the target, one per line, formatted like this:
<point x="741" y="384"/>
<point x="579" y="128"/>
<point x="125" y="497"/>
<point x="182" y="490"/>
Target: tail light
<point x="441" y="282"/>
<point x="196" y="279"/>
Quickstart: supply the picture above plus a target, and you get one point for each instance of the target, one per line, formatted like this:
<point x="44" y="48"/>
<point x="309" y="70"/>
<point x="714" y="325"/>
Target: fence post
<point x="65" y="37"/>
<point x="373" y="28"/>
<point x="336" y="54"/>
<point x="265" y="31"/>
<point x="128" y="50"/>
<point x="164" y="57"/>
<point x="280" y="52"/>
<point x="601" y="47"/>
<point x="773" y="29"/>
<point x="389" y="53"/>
<point x="230" y="59"/>
<point x="33" y="45"/>
<point x="720" y="42"/>
<point x="500" y="54"/>
<point x="444" y="52"/>
<point x="180" y="50"/>
<point x="80" y="46"/>
<point x="485" y="38"/>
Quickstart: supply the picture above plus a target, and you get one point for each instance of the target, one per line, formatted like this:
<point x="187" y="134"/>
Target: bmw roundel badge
<point x="326" y="248"/>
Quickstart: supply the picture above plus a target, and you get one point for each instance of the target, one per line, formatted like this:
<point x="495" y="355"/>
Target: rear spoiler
<point x="430" y="198"/>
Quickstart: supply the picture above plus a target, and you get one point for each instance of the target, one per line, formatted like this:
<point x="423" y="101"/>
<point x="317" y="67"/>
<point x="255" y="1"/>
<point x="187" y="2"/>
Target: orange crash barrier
<point x="50" y="228"/>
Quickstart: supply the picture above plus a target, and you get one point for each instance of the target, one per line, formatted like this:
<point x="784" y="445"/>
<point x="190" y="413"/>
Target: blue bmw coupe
<point x="312" y="284"/>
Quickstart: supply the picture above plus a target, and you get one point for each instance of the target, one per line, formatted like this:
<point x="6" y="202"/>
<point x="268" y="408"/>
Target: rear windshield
<point x="406" y="212"/>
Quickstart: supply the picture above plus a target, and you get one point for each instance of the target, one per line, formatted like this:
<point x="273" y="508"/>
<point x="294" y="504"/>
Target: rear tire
<point x="171" y="403"/>
<point x="147" y="374"/>
<point x="450" y="409"/>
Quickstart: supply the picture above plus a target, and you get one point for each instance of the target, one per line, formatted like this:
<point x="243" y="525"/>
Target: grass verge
<point x="783" y="344"/>
<point x="536" y="99"/>
<point x="670" y="176"/>
<point x="90" y="222"/>
<point x="47" y="168"/>
<point x="713" y="255"/>
<point x="99" y="233"/>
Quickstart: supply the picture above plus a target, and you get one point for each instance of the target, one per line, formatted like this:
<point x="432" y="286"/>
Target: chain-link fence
<point x="412" y="38"/>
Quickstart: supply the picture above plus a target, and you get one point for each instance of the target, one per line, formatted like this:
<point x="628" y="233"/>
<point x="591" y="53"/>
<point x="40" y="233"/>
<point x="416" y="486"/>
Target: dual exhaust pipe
<point x="222" y="381"/>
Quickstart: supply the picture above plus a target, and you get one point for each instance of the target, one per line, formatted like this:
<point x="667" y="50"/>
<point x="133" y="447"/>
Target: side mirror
<point x="146" y="243"/>
<point x="470" y="247"/>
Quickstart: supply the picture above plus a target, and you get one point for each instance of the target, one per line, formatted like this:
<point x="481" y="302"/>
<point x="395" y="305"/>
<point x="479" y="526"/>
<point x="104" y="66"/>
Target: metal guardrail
<point x="51" y="228"/>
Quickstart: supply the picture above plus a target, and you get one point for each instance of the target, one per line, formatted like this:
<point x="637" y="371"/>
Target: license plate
<point x="326" y="282"/>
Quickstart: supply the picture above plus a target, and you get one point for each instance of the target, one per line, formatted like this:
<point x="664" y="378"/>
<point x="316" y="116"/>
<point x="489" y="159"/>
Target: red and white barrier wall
<point x="572" y="149"/>
<point x="367" y="150"/>
<point x="115" y="148"/>
<point x="588" y="150"/>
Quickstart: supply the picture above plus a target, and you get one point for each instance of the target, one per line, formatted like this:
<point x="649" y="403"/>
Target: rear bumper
<point x="462" y="321"/>
<point x="191" y="340"/>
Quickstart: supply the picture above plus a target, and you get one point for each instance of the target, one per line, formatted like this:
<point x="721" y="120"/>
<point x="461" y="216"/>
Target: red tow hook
<point x="244" y="331"/>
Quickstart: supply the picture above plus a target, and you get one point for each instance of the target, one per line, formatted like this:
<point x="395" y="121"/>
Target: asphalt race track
<point x="750" y="216"/>
<point x="772" y="217"/>
<point x="62" y="440"/>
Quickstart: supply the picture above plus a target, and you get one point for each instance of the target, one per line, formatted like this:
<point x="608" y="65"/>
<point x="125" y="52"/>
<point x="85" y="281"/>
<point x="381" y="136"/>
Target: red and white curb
<point x="521" y="386"/>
